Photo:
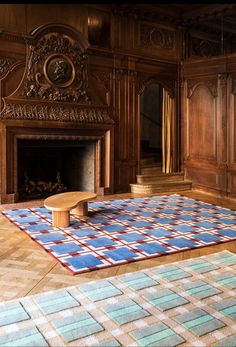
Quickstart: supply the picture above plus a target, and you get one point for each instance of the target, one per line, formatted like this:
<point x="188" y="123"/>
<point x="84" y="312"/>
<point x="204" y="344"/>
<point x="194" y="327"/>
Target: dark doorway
<point x="151" y="125"/>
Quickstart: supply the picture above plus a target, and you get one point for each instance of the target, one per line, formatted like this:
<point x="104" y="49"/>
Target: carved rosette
<point x="154" y="37"/>
<point x="6" y="64"/>
<point x="55" y="112"/>
<point x="56" y="70"/>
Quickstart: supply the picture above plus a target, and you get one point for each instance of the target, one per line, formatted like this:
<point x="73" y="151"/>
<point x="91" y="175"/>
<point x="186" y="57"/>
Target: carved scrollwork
<point x="151" y="36"/>
<point x="193" y="85"/>
<point x="56" y="70"/>
<point x="168" y="85"/>
<point x="55" y="112"/>
<point x="5" y="65"/>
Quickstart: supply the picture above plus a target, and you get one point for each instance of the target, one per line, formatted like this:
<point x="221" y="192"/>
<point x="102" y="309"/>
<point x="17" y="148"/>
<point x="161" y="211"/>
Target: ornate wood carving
<point x="54" y="63"/>
<point x="6" y="64"/>
<point x="203" y="48"/>
<point x="57" y="112"/>
<point x="211" y="85"/>
<point x="55" y="83"/>
<point x="154" y="37"/>
<point x="169" y="85"/>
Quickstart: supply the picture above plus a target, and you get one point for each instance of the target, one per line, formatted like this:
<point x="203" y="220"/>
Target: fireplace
<point x="78" y="157"/>
<point x="56" y="127"/>
<point x="47" y="167"/>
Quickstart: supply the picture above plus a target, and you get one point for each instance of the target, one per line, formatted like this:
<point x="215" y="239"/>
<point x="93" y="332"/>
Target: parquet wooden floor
<point x="26" y="269"/>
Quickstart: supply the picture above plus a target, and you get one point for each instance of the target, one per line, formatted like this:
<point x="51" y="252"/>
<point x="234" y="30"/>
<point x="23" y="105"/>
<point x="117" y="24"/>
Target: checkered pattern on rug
<point x="152" y="307"/>
<point x="123" y="231"/>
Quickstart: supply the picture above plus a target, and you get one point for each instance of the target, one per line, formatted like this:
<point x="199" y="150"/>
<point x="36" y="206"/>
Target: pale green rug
<point x="187" y="303"/>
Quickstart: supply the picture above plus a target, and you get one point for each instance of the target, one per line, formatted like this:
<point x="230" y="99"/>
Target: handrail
<point x="150" y="119"/>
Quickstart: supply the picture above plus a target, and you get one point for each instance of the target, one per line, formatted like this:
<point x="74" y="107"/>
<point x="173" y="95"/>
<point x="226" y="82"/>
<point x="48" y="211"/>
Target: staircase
<point x="152" y="180"/>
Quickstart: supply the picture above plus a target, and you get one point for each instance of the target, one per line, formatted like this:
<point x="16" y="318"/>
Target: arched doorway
<point x="151" y="125"/>
<point x="157" y="130"/>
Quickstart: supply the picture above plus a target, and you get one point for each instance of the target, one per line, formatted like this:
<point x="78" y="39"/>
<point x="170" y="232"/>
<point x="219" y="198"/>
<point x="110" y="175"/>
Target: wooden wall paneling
<point x="201" y="121"/>
<point x="221" y="133"/>
<point x="13" y="18"/>
<point x="75" y="15"/>
<point x="231" y="182"/>
<point x="212" y="162"/>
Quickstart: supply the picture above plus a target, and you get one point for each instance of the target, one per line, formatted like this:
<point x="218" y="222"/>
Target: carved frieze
<point x="55" y="112"/>
<point x="5" y="65"/>
<point x="154" y="37"/>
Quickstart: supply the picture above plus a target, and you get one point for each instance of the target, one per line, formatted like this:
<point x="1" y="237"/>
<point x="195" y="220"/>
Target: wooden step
<point x="161" y="187"/>
<point x="160" y="177"/>
<point x="149" y="160"/>
<point x="151" y="169"/>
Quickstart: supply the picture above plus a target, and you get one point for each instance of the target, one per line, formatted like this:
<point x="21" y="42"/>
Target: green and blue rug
<point x="186" y="303"/>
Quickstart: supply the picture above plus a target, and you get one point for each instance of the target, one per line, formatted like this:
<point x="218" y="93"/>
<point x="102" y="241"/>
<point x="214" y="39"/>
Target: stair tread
<point x="161" y="174"/>
<point x="161" y="184"/>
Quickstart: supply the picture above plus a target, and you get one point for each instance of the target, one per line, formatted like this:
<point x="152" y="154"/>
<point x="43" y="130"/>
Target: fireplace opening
<point x="47" y="167"/>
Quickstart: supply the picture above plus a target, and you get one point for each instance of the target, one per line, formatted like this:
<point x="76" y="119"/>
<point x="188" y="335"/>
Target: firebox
<point x="47" y="167"/>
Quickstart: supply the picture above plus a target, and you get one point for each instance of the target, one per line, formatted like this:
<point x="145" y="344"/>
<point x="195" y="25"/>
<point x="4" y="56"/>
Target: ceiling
<point x="211" y="18"/>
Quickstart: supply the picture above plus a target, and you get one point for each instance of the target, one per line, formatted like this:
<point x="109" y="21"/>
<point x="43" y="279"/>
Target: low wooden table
<point x="61" y="205"/>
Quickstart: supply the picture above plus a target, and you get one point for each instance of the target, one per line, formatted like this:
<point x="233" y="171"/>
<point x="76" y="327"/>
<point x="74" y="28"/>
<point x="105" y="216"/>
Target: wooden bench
<point x="61" y="205"/>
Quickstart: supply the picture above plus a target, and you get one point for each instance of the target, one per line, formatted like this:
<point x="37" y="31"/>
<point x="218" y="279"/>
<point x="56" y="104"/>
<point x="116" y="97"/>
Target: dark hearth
<point x="47" y="167"/>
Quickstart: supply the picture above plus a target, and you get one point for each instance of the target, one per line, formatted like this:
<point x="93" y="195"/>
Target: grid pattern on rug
<point x="188" y="303"/>
<point x="121" y="231"/>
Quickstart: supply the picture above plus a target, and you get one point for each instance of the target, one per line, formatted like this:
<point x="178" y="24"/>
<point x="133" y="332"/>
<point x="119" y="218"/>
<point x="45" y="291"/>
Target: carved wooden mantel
<point x="55" y="99"/>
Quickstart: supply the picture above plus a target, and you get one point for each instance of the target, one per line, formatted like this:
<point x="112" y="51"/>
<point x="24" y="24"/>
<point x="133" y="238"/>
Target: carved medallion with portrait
<point x="59" y="70"/>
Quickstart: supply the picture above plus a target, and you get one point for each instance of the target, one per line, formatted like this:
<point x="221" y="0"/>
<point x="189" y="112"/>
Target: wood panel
<point x="210" y="158"/>
<point x="201" y="120"/>
<point x="232" y="137"/>
<point x="204" y="133"/>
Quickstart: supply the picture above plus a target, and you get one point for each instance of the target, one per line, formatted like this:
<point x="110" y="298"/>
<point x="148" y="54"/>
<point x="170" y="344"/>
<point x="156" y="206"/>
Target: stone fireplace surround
<point x="14" y="131"/>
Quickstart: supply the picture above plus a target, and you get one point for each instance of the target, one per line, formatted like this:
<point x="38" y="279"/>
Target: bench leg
<point x="81" y="209"/>
<point x="60" y="218"/>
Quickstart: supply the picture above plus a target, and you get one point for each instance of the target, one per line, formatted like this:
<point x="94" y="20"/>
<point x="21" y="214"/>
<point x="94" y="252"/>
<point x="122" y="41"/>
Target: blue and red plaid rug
<point x="121" y="231"/>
